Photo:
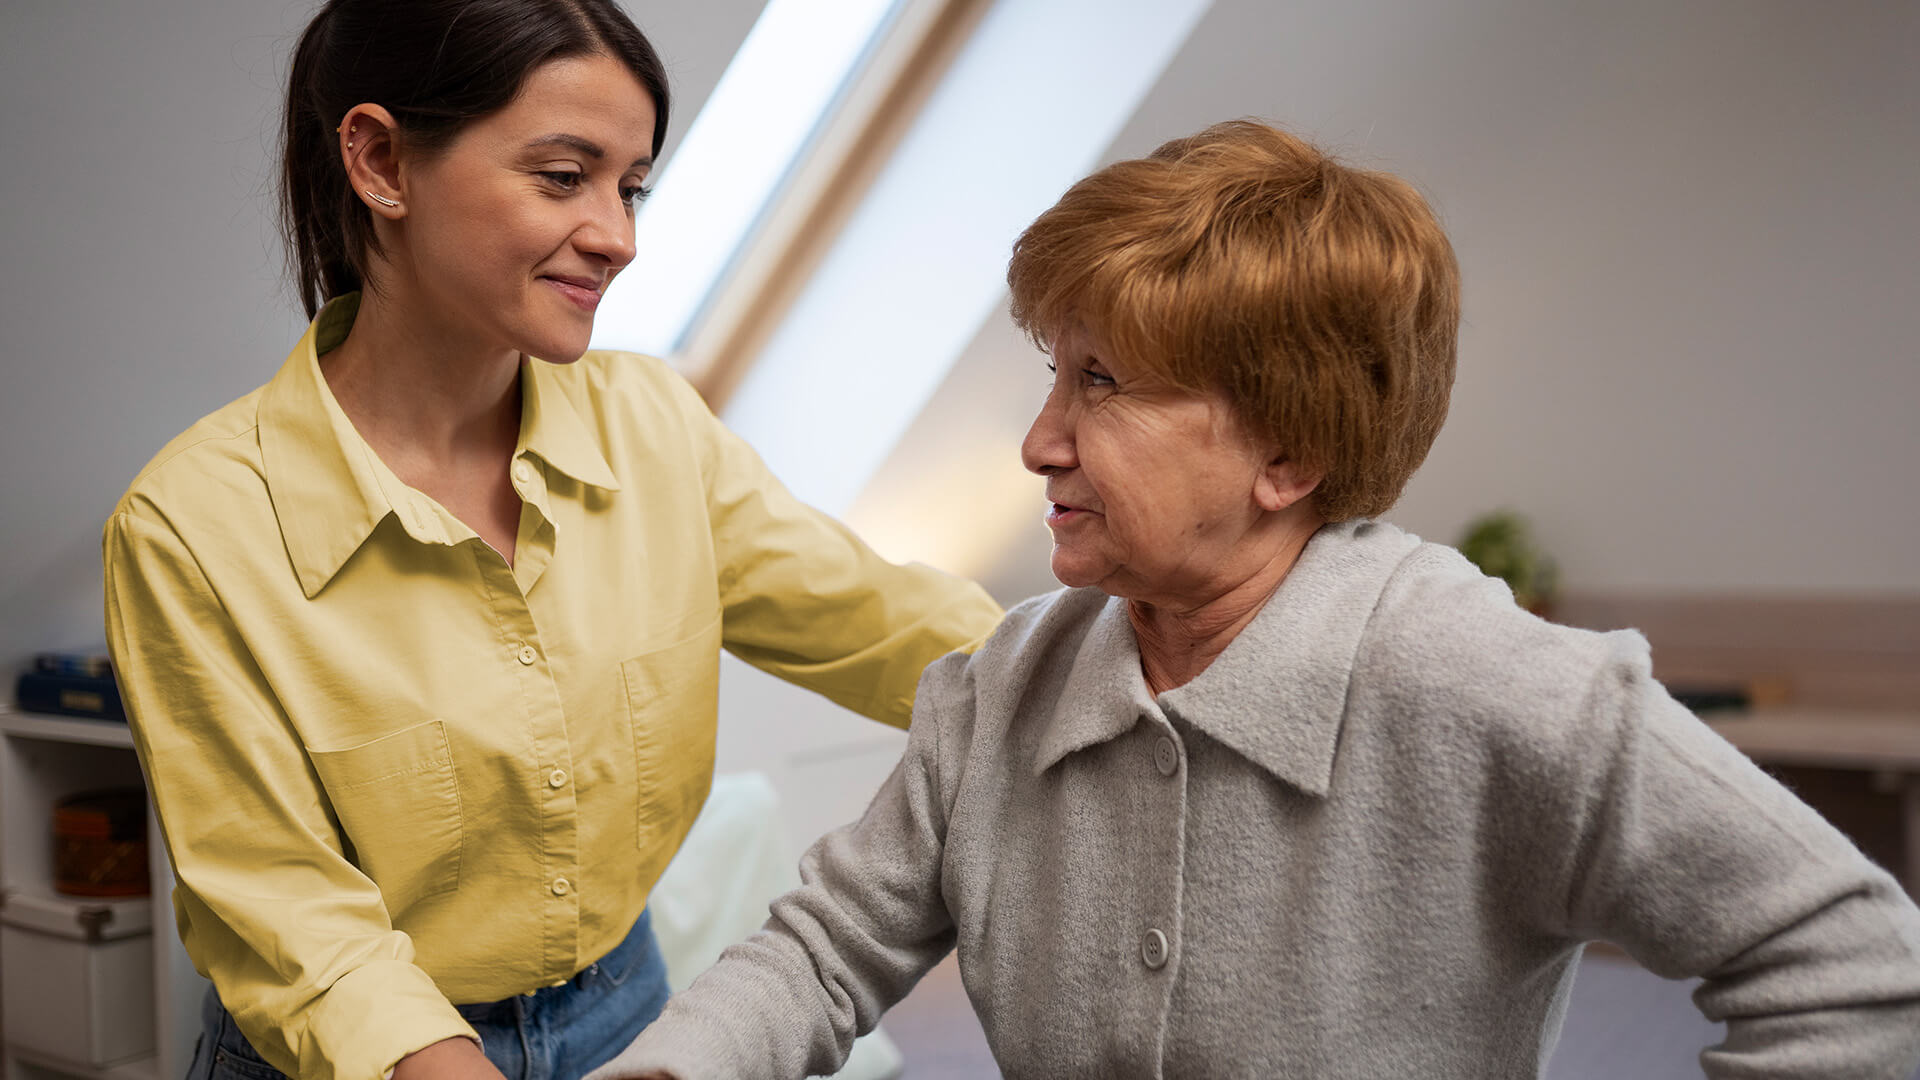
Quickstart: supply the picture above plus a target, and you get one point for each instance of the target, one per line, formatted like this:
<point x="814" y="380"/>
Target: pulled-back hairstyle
<point x="436" y="65"/>
<point x="1323" y="301"/>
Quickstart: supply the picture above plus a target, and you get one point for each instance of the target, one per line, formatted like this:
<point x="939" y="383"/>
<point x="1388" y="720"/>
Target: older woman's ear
<point x="1284" y="482"/>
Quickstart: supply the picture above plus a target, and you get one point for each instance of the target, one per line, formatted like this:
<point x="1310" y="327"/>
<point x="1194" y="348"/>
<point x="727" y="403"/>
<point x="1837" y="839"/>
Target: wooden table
<point x="1884" y="743"/>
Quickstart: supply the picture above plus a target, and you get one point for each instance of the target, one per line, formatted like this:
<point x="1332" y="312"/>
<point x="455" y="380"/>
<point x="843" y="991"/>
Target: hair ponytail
<point x="313" y="184"/>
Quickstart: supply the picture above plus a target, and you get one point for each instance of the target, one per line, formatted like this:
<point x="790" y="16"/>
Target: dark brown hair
<point x="436" y="65"/>
<point x="1322" y="301"/>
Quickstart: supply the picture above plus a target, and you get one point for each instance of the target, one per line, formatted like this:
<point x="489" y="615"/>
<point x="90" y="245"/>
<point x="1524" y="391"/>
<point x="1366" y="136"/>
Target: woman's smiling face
<point x="515" y="230"/>
<point x="1154" y="488"/>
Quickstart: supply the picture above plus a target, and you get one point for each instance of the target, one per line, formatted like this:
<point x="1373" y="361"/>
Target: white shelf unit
<point x="43" y="758"/>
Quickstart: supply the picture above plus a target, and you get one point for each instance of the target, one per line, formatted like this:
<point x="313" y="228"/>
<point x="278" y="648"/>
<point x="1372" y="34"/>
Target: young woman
<point x="420" y="639"/>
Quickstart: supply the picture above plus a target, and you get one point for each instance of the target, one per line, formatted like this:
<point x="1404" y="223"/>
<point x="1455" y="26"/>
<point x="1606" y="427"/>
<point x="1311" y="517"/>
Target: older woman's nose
<point x="1048" y="447"/>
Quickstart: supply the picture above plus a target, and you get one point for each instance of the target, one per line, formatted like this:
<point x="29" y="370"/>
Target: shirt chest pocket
<point x="398" y="802"/>
<point x="671" y="699"/>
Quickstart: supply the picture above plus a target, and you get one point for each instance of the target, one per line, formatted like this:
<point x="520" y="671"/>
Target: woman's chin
<point x="557" y="350"/>
<point x="1073" y="572"/>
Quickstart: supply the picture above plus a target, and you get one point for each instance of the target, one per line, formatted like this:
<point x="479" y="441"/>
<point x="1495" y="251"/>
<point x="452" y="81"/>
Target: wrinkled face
<point x="513" y="233"/>
<point x="1152" y="487"/>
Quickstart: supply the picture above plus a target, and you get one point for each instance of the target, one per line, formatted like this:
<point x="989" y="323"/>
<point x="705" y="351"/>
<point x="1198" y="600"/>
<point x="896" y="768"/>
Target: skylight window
<point x="793" y="67"/>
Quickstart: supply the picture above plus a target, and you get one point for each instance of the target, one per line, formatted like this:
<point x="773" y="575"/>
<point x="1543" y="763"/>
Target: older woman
<point x="1273" y="789"/>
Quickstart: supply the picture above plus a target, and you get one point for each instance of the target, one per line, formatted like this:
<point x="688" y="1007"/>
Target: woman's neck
<point x="422" y="395"/>
<point x="1180" y="638"/>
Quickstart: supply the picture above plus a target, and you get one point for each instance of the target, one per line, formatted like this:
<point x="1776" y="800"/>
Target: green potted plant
<point x="1501" y="544"/>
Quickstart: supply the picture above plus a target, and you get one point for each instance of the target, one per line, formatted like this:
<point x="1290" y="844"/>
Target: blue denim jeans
<point x="555" y="1033"/>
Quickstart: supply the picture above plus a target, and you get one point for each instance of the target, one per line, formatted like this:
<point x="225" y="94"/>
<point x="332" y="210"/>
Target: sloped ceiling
<point x="1685" y="234"/>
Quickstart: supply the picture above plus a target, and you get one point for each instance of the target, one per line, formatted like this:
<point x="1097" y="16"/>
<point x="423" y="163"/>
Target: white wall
<point x="140" y="270"/>
<point x="1692" y="302"/>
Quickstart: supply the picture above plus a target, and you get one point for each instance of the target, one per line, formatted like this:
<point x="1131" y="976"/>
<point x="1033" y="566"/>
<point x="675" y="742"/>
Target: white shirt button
<point x="522" y="472"/>
<point x="1153" y="949"/>
<point x="557" y="778"/>
<point x="561" y="887"/>
<point x="527" y="655"/>
<point x="1166" y="756"/>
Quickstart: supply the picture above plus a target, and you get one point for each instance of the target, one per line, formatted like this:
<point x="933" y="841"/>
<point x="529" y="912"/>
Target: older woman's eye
<point x="1097" y="377"/>
<point x="565" y="180"/>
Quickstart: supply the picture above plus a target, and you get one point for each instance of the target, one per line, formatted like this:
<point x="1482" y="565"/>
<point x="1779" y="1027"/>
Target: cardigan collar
<point x="330" y="490"/>
<point x="1277" y="694"/>
<point x="1105" y="693"/>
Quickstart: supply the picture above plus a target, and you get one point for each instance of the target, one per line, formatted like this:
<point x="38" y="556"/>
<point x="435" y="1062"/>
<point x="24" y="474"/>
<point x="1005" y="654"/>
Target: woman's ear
<point x="1284" y="481"/>
<point x="368" y="149"/>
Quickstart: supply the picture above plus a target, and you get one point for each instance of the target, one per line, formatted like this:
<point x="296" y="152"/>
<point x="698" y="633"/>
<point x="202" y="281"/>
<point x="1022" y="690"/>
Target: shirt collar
<point x="1277" y="695"/>
<point x="551" y="427"/>
<point x="322" y="477"/>
<point x="330" y="490"/>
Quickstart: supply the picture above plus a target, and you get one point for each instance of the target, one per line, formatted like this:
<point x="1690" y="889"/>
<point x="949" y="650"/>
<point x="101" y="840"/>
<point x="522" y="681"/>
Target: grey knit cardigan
<point x="1368" y="841"/>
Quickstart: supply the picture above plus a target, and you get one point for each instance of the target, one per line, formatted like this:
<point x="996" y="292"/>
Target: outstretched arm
<point x="806" y="600"/>
<point x="840" y="950"/>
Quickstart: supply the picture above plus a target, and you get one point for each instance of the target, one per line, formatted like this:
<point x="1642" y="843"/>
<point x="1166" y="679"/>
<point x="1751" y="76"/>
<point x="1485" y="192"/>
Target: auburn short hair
<point x="1323" y="301"/>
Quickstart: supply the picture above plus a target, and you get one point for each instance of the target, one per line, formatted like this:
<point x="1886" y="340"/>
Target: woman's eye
<point x="1097" y="378"/>
<point x="564" y="180"/>
<point x="635" y="194"/>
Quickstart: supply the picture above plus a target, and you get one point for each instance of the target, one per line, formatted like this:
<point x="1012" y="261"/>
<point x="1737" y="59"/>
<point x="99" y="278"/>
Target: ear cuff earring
<point x="381" y="199"/>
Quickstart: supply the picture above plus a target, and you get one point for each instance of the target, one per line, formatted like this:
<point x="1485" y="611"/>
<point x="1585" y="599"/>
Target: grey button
<point x="1166" y="756"/>
<point x="1153" y="949"/>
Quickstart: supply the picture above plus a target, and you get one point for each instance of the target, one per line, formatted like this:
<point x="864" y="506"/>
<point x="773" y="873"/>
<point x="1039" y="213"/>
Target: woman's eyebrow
<point x="586" y="146"/>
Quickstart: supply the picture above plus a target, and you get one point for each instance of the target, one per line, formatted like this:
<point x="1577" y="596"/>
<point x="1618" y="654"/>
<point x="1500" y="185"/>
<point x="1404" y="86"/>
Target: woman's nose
<point x="608" y="233"/>
<point x="1048" y="447"/>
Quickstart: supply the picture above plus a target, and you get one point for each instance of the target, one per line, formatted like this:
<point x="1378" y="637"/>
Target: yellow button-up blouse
<point x="394" y="771"/>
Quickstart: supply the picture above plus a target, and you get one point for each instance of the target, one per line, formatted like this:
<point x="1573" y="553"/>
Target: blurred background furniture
<point x="1833" y="691"/>
<point x="120" y="1003"/>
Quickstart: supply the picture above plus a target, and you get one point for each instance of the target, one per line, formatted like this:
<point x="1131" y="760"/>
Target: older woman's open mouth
<point x="1063" y="513"/>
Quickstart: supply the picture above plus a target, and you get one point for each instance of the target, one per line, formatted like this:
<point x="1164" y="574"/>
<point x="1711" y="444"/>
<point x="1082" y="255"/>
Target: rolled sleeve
<point x="296" y="940"/>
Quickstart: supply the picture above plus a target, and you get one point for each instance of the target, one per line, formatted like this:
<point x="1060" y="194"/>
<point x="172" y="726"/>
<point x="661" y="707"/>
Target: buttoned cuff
<point x="372" y="1017"/>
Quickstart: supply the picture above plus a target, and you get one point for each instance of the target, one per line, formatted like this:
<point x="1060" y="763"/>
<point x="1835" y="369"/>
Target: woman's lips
<point x="1062" y="514"/>
<point x="585" y="296"/>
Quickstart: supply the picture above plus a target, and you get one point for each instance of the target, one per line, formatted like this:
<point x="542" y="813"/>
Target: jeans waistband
<point x="609" y="971"/>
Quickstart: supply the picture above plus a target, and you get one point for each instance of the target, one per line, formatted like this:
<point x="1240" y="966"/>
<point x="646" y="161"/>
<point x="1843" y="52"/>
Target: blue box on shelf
<point x="70" y="695"/>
